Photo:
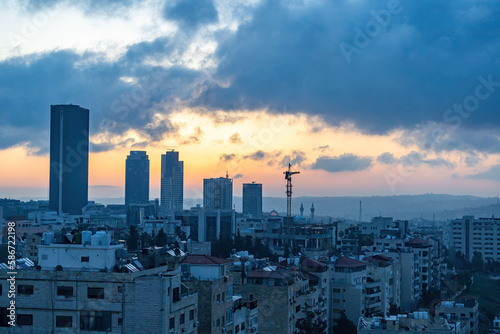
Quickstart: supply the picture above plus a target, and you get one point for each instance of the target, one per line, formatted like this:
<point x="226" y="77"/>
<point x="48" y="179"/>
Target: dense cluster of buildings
<point x="80" y="270"/>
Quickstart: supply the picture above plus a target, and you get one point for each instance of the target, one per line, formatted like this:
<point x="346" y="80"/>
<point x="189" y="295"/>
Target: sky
<point x="362" y="97"/>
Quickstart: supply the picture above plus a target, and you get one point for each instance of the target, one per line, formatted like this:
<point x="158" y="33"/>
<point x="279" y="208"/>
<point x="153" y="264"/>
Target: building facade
<point x="252" y="199"/>
<point x="137" y="178"/>
<point x="69" y="158"/>
<point x="470" y="235"/>
<point x="172" y="182"/>
<point x="218" y="193"/>
<point x="148" y="301"/>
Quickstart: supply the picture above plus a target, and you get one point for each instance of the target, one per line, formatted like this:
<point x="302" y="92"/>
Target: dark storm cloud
<point x="227" y="157"/>
<point x="491" y="174"/>
<point x="29" y="85"/>
<point x="386" y="158"/>
<point x="427" y="58"/>
<point x="342" y="163"/>
<point x="258" y="155"/>
<point x="191" y="14"/>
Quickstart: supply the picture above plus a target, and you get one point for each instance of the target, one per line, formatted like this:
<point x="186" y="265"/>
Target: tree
<point x="145" y="239"/>
<point x="286" y="253"/>
<point x="393" y="309"/>
<point x="344" y="325"/>
<point x="311" y="324"/>
<point x="180" y="233"/>
<point x="477" y="262"/>
<point x="133" y="237"/>
<point x="160" y="239"/>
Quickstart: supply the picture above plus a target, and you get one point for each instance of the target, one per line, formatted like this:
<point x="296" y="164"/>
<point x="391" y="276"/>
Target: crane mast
<point x="288" y="177"/>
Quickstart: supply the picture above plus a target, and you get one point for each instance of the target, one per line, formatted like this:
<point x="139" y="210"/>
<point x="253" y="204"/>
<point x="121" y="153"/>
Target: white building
<point x="90" y="253"/>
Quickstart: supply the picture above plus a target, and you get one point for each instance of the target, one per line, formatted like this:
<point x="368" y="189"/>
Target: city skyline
<point x="405" y="108"/>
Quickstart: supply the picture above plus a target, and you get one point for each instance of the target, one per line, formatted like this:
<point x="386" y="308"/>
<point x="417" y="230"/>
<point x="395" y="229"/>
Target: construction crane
<point x="288" y="178"/>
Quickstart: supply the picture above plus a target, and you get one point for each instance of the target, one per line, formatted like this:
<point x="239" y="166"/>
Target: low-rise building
<point x="464" y="310"/>
<point x="210" y="276"/>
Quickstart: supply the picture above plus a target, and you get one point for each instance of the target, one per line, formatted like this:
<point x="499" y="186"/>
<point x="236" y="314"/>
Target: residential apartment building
<point x="207" y="224"/>
<point x="465" y="310"/>
<point x="210" y="276"/>
<point x="147" y="301"/>
<point x="218" y="193"/>
<point x="282" y="295"/>
<point x="469" y="235"/>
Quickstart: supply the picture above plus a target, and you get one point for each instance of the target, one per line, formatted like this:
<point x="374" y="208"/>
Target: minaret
<point x="312" y="213"/>
<point x="301" y="209"/>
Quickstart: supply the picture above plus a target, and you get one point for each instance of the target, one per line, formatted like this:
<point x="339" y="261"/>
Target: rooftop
<point x="204" y="259"/>
<point x="348" y="262"/>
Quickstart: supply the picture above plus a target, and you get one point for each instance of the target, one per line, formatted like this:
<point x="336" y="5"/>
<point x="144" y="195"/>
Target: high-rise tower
<point x="172" y="182"/>
<point x="218" y="193"/>
<point x="137" y="178"/>
<point x="69" y="158"/>
<point x="252" y="199"/>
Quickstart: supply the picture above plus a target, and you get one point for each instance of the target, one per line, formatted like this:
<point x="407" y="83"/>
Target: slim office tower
<point x="172" y="182"/>
<point x="218" y="193"/>
<point x="137" y="178"/>
<point x="252" y="199"/>
<point x="69" y="158"/>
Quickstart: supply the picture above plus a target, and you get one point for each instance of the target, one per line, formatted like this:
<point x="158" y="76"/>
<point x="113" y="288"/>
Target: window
<point x="85" y="259"/>
<point x="25" y="319"/>
<point x="66" y="291"/>
<point x="172" y="323"/>
<point x="176" y="294"/>
<point x="182" y="319"/>
<point x="95" y="321"/>
<point x="297" y="309"/>
<point x="95" y="293"/>
<point x="229" y="315"/>
<point x="4" y="313"/>
<point x="45" y="256"/>
<point x="237" y="329"/>
<point x="217" y="322"/>
<point x="191" y="315"/>
<point x="336" y="290"/>
<point x="120" y="321"/>
<point x="0" y="289"/>
<point x="218" y="298"/>
<point x="25" y="289"/>
<point x="242" y="326"/>
<point x="120" y="289"/>
<point x="64" y="321"/>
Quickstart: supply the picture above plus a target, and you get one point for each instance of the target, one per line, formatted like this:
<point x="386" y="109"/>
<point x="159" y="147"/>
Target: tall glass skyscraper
<point x="137" y="178"/>
<point x="252" y="199"/>
<point x="69" y="158"/>
<point x="218" y="193"/>
<point x="172" y="182"/>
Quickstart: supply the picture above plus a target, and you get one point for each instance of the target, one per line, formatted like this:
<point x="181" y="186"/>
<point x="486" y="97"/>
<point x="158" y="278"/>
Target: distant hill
<point x="398" y="206"/>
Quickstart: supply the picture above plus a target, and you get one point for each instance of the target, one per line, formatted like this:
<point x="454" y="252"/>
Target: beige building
<point x="210" y="276"/>
<point x="152" y="301"/>
<point x="282" y="294"/>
